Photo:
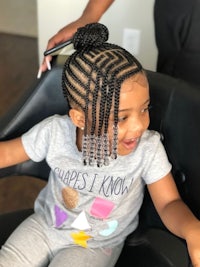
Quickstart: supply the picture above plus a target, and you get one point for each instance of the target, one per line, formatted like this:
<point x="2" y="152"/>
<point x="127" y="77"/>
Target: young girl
<point x="101" y="156"/>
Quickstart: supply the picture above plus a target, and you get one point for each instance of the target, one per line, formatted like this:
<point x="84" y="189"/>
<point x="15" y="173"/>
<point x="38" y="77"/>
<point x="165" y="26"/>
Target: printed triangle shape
<point x="81" y="222"/>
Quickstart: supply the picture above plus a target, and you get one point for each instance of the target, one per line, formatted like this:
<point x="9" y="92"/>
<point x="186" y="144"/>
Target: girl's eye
<point x="146" y="109"/>
<point x="122" y="118"/>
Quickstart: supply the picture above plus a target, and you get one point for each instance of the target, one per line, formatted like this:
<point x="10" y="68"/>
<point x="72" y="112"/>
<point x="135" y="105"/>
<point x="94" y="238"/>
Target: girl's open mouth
<point x="130" y="144"/>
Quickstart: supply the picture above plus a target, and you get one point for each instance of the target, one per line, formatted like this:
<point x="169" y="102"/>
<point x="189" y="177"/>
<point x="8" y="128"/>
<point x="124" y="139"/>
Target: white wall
<point x="134" y="14"/>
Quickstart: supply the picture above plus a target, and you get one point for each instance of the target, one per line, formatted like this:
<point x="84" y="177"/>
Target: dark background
<point x="18" y="70"/>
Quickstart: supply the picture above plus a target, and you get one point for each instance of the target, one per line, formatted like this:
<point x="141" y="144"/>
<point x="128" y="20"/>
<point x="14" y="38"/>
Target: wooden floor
<point x="18" y="70"/>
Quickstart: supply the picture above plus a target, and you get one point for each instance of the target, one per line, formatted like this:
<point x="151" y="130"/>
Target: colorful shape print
<point x="81" y="222"/>
<point x="101" y="208"/>
<point x="112" y="225"/>
<point x="80" y="238"/>
<point x="70" y="197"/>
<point x="61" y="216"/>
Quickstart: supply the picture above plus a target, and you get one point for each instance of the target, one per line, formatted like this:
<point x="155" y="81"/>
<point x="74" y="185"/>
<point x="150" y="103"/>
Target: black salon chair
<point x="175" y="114"/>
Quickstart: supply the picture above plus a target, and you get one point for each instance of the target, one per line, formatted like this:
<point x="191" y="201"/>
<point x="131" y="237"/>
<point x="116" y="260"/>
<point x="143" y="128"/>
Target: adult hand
<point x="61" y="36"/>
<point x="92" y="13"/>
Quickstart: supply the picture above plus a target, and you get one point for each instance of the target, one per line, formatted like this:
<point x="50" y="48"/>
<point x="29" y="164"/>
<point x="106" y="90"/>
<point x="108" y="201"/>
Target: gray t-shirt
<point x="91" y="206"/>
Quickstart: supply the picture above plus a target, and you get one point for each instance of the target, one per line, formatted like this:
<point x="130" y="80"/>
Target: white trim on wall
<point x="18" y="17"/>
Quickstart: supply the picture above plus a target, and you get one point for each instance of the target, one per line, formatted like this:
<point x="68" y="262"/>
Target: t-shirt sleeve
<point x="36" y="140"/>
<point x="158" y="165"/>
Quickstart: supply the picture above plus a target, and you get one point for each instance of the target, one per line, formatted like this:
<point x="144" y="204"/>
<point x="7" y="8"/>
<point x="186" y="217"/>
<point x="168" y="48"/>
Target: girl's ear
<point x="77" y="117"/>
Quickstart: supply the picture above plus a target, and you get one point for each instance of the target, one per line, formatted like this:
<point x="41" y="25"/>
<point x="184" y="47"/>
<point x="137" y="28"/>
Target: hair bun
<point x="94" y="34"/>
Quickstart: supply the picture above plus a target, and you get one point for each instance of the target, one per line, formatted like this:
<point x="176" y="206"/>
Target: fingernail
<point x="48" y="64"/>
<point x="39" y="73"/>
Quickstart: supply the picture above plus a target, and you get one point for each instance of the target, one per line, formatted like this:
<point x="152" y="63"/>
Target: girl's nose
<point x="137" y="125"/>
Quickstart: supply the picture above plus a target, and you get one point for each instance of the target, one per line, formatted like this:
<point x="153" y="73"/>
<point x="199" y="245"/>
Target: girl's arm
<point x="176" y="215"/>
<point x="12" y="152"/>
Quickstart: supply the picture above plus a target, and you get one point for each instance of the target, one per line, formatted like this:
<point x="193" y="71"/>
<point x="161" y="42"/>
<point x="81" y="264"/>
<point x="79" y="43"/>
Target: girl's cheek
<point x="120" y="132"/>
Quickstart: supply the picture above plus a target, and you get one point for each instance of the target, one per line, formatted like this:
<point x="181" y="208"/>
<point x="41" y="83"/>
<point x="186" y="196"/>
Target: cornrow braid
<point x="91" y="80"/>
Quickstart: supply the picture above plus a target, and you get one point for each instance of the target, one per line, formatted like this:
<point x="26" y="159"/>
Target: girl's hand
<point x="193" y="243"/>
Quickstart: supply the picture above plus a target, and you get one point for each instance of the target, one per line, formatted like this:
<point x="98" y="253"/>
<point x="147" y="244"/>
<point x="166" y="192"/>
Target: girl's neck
<point x="79" y="136"/>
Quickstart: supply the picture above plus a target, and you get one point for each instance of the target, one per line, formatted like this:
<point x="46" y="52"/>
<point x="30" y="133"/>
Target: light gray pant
<point x="29" y="246"/>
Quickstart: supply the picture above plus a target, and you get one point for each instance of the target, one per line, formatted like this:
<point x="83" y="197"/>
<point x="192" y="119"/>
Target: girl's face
<point x="133" y="116"/>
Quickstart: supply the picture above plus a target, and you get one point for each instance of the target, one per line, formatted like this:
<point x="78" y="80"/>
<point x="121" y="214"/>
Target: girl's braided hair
<point x="91" y="80"/>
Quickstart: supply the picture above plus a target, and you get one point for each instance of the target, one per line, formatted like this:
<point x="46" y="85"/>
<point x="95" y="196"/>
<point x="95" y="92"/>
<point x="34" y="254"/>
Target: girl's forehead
<point x="137" y="79"/>
<point x="134" y="92"/>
